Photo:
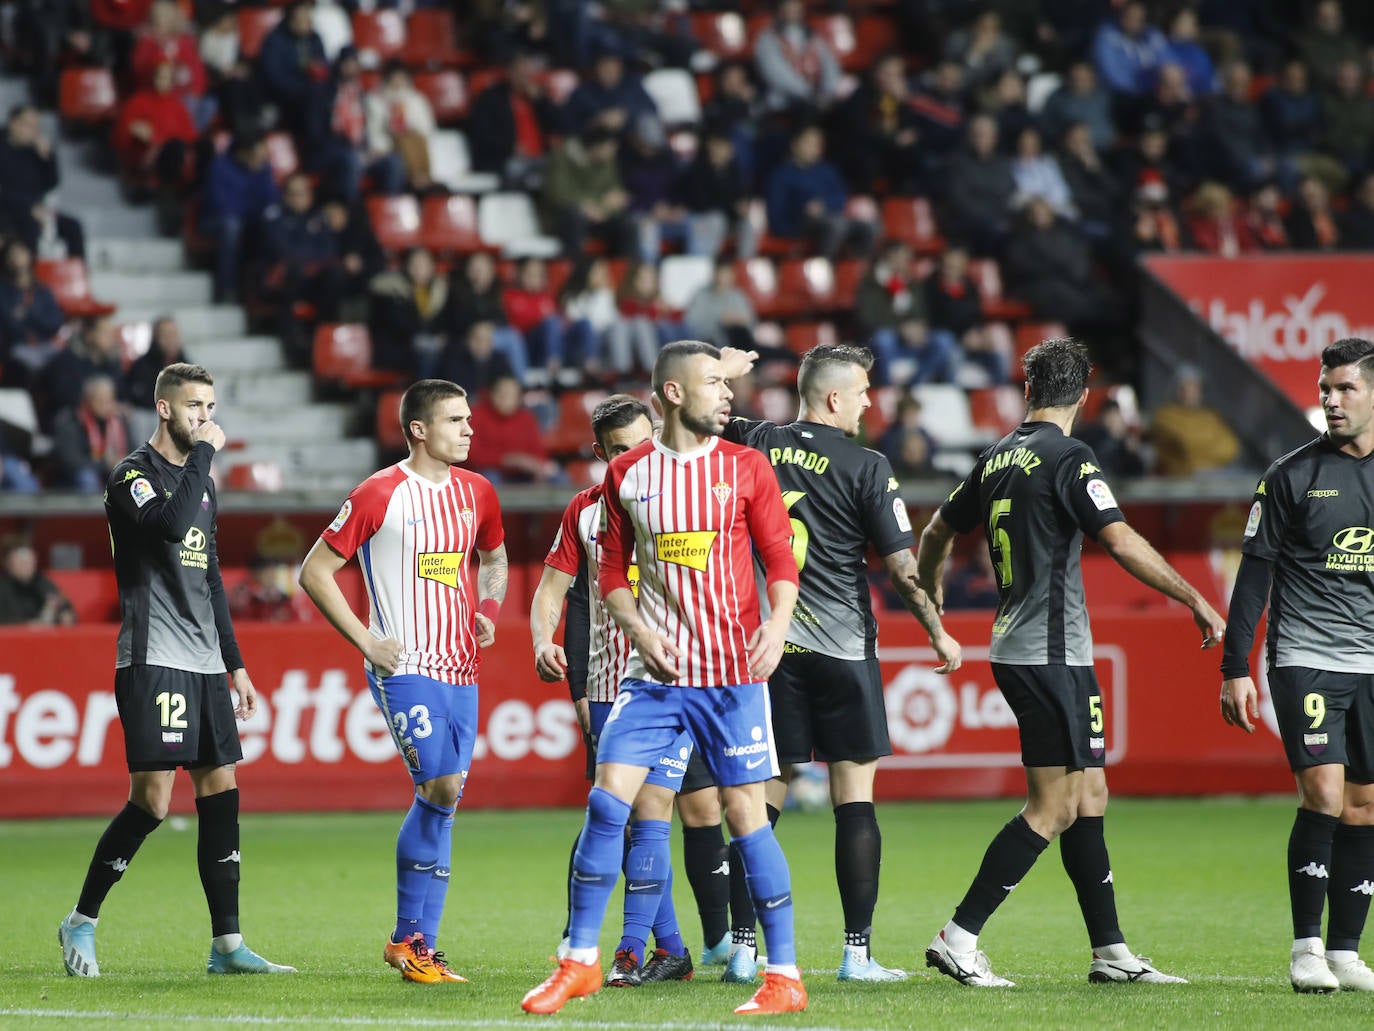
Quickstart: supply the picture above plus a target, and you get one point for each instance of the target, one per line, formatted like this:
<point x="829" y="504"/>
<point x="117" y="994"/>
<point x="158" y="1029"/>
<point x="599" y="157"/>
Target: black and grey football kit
<point x="176" y="640"/>
<point x="827" y="692"/>
<point x="1309" y="549"/>
<point x="1035" y="493"/>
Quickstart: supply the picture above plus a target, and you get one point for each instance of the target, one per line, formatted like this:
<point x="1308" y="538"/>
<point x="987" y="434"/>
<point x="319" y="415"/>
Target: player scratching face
<point x="189" y="408"/>
<point x="447" y="436"/>
<point x="1347" y="402"/>
<point x="702" y="395"/>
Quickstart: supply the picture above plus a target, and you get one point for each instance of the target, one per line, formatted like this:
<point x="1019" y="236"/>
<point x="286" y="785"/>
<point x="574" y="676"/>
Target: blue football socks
<point x="417" y="857"/>
<point x="596" y="865"/>
<point x="770" y="887"/>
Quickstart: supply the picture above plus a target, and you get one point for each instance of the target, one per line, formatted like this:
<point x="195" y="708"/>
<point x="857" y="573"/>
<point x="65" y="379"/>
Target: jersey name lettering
<point x="1022" y="457"/>
<point x="808" y="460"/>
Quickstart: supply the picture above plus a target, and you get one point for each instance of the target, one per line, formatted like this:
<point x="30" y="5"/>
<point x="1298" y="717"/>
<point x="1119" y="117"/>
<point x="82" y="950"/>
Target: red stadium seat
<point x="389" y="433"/>
<point x="87" y="95"/>
<point x="343" y="354"/>
<point x="998" y="410"/>
<point x="838" y="31"/>
<point x="559" y="269"/>
<point x="395" y="221"/>
<point x="263" y="477"/>
<point x="1028" y="334"/>
<point x="724" y="33"/>
<point x="431" y="39"/>
<point x="448" y="225"/>
<point x="378" y="35"/>
<point x="282" y="156"/>
<point x="480" y="78"/>
<point x="773" y="246"/>
<point x="910" y="219"/>
<point x="446" y="93"/>
<point x="874" y="35"/>
<point x="809" y="285"/>
<point x="66" y="278"/>
<point x="847" y="276"/>
<point x="254" y="25"/>
<point x="134" y="340"/>
<point x="572" y="433"/>
<point x="759" y="280"/>
<point x="988" y="278"/>
<point x="802" y="336"/>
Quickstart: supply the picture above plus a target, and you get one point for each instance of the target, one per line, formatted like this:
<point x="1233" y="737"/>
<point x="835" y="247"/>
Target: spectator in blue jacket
<point x="1188" y="53"/>
<point x="29" y="318"/>
<point x="609" y="98"/>
<point x="301" y="253"/>
<point x="293" y="66"/>
<point x="1292" y="114"/>
<point x="806" y="198"/>
<point x="1080" y="99"/>
<point x="1128" y="52"/>
<point x="239" y="189"/>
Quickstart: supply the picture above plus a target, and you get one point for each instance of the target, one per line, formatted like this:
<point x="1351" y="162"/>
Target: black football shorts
<point x="1325" y="718"/>
<point x="1059" y="713"/>
<point x="828" y="709"/>
<point x="174" y="718"/>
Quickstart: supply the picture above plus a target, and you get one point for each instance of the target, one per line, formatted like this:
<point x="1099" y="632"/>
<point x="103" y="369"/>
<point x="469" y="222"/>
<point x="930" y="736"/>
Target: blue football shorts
<point x="434" y="724"/>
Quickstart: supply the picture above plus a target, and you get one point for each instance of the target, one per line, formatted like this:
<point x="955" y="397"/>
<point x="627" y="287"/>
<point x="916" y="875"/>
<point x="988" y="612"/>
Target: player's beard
<point x="706" y="426"/>
<point x="181" y="437"/>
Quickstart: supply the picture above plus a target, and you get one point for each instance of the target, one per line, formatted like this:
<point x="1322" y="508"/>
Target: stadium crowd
<point x="938" y="179"/>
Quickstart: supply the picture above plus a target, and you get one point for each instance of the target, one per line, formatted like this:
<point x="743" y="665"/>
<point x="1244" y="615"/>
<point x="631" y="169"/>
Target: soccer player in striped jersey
<point x="690" y="507"/>
<point x="414" y="527"/>
<point x="593" y="664"/>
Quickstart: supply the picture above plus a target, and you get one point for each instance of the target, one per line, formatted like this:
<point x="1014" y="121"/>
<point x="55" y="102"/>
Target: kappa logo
<point x="723" y="869"/>
<point x="120" y="865"/>
<point x="1108" y="878"/>
<point x="1323" y="493"/>
<point x="1364" y="888"/>
<point x="232" y="857"/>
<point x="1314" y="869"/>
<point x="133" y="474"/>
<point x="1009" y="888"/>
<point x="1087" y="469"/>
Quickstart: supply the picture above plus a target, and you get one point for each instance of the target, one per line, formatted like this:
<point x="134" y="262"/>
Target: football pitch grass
<point x="1200" y="886"/>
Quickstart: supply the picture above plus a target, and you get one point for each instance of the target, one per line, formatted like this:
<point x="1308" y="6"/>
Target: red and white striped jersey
<point x="692" y="518"/>
<point x="414" y="541"/>
<point x="577" y="541"/>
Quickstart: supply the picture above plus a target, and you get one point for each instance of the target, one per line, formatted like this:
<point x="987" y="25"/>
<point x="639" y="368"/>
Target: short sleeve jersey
<point x="840" y="497"/>
<point x="575" y="548"/>
<point x="1313" y="517"/>
<point x="1036" y="493"/>
<point x="414" y="540"/>
<point x="692" y="520"/>
<point x="166" y="615"/>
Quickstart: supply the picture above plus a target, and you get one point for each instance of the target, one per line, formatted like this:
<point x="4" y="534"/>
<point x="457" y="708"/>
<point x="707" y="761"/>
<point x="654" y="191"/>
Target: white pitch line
<point x="342" y="1021"/>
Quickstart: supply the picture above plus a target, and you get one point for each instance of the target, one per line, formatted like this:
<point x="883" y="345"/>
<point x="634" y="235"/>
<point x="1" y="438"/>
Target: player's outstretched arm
<point x="1139" y="558"/>
<point x="317" y="580"/>
<point x="931" y="554"/>
<point x="901" y="570"/>
<point x="492" y="576"/>
<point x="550" y="661"/>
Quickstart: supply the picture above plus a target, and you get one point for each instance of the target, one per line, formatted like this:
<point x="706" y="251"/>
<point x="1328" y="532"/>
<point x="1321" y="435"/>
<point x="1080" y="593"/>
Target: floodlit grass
<point x="1200" y="886"/>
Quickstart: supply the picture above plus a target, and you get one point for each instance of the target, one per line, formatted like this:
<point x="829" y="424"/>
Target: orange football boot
<point x="571" y="980"/>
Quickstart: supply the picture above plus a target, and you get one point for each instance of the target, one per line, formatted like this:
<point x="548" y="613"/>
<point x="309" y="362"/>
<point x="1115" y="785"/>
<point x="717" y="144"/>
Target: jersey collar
<point x="686" y="456"/>
<point x="404" y="466"/>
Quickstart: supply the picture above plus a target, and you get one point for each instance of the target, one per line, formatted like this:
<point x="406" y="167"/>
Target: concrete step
<point x="339" y="458"/>
<point x="276" y="389"/>
<point x="238" y="355"/>
<point x="170" y="290"/>
<point x="115" y="220"/>
<point x="198" y="322"/>
<point x="134" y="255"/>
<point x="307" y="422"/>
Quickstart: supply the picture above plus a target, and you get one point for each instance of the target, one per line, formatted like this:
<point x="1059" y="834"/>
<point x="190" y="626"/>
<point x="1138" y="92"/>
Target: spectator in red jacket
<point x="507" y="443"/>
<point x="1215" y="224"/>
<point x="166" y="41"/>
<point x="532" y="309"/>
<point x="154" y="130"/>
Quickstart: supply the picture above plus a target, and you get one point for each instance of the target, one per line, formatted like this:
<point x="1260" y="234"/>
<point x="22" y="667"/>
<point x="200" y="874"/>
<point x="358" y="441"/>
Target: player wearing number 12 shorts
<point x="414" y="528"/>
<point x="1035" y="493"/>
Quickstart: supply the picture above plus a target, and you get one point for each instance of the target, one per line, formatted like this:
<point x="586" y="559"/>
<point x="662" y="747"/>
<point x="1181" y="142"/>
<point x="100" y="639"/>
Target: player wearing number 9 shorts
<point x="415" y="528"/>
<point x="1035" y="494"/>
<point x="175" y="645"/>
<point x="1308" y="551"/>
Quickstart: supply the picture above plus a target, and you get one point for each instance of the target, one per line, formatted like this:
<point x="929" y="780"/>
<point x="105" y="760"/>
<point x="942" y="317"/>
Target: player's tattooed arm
<point x="936" y="541"/>
<point x="493" y="575"/>
<point x="902" y="571"/>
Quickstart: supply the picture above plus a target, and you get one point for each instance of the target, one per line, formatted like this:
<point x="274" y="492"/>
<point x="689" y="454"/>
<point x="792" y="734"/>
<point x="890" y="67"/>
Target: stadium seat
<point x="559" y="84"/>
<point x="1028" y="334"/>
<point x="681" y="276"/>
<point x="881" y="412"/>
<point x="571" y="433"/>
<point x="508" y="221"/>
<point x="911" y="220"/>
<point x="874" y="35"/>
<point x="388" y="429"/>
<point x="447" y="94"/>
<point x="847" y="276"/>
<point x="431" y="39"/>
<point x="449" y="225"/>
<point x="87" y="95"/>
<point x="378" y="35"/>
<point x="945" y="414"/>
<point x="674" y="93"/>
<point x="343" y="354"/>
<point x="809" y="285"/>
<point x="262" y="477"/>
<point x="282" y="156"/>
<point x="558" y="272"/>
<point x="334" y="28"/>
<point x="450" y="164"/>
<point x="479" y="79"/>
<point x="768" y="244"/>
<point x="802" y="336"/>
<point x="759" y="280"/>
<point x="254" y="25"/>
<point x="838" y="31"/>
<point x="395" y="221"/>
<point x="1039" y="88"/>
<point x="66" y="278"/>
<point x="134" y="340"/>
<point x="988" y="278"/>
<point x="996" y="410"/>
<point x="724" y="33"/>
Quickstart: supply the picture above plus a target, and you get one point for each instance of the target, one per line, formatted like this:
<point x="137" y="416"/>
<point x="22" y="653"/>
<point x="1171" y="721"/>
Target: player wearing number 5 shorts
<point x="176" y="642"/>
<point x="1035" y="493"/>
<point x="1309" y="552"/>
<point x="827" y="692"/>
<point x="414" y="527"/>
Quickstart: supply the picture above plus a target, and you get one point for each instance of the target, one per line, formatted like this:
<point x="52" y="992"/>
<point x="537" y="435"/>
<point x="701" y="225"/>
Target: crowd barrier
<point x="318" y="742"/>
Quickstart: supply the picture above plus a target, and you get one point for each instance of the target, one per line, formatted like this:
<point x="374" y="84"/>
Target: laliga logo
<point x="921" y="710"/>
